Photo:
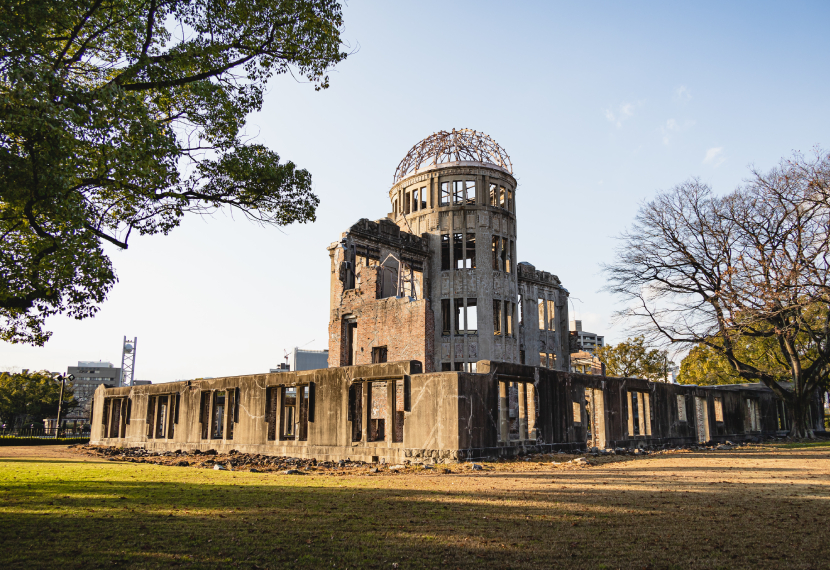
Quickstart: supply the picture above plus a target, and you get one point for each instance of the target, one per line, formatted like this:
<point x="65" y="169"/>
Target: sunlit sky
<point x="600" y="105"/>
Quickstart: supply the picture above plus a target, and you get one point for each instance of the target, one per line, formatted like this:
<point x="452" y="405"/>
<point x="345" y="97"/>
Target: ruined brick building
<point x="439" y="280"/>
<point x="441" y="347"/>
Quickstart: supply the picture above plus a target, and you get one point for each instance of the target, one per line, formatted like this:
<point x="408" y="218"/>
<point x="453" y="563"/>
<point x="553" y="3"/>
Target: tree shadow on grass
<point x="86" y="520"/>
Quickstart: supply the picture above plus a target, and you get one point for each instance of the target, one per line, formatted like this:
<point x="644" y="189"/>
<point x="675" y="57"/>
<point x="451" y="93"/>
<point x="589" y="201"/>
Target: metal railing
<point x="42" y="432"/>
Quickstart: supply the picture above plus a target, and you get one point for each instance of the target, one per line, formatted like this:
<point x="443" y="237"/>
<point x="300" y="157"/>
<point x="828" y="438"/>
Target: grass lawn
<point x="749" y="508"/>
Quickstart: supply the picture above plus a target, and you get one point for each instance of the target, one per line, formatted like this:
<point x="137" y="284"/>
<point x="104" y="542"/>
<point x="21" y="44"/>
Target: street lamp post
<point x="63" y="379"/>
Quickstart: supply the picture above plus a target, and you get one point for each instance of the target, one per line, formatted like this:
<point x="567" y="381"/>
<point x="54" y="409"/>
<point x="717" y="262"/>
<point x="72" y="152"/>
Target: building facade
<point x="88" y="376"/>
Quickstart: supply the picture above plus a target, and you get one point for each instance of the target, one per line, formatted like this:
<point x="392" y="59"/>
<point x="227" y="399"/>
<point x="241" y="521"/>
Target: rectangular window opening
<point x="397" y="433"/>
<point x="356" y="410"/>
<point x="445" y="194"/>
<point x="446" y="322"/>
<point x="458" y="250"/>
<point x="445" y="252"/>
<point x="379" y="354"/>
<point x="494" y="194"/>
<point x="505" y="255"/>
<point x="302" y="428"/>
<point x="496" y="258"/>
<point x="470" y="252"/>
<point x="471" y="191"/>
<point x="161" y="416"/>
<point x="458" y="191"/>
<point x="719" y="410"/>
<point x="681" y="408"/>
<point x="540" y="303"/>
<point x="496" y="317"/>
<point x="551" y="315"/>
<point x="378" y="410"/>
<point x="288" y="415"/>
<point x="218" y="415"/>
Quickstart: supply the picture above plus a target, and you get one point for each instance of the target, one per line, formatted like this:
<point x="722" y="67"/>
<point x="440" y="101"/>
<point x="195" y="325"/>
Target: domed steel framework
<point x="456" y="146"/>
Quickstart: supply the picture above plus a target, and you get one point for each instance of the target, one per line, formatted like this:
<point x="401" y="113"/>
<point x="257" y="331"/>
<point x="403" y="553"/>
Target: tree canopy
<point x="633" y="359"/>
<point x="746" y="275"/>
<point x="29" y="397"/>
<point x="119" y="117"/>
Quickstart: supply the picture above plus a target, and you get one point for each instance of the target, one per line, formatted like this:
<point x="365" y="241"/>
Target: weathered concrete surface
<point x="446" y="416"/>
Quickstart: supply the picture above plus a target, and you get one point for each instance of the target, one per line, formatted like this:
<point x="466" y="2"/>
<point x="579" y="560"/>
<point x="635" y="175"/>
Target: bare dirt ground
<point x="750" y="507"/>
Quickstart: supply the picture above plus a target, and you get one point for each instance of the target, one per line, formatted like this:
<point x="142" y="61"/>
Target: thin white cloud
<point x="682" y="93"/>
<point x="714" y="156"/>
<point x="673" y="127"/>
<point x="625" y="111"/>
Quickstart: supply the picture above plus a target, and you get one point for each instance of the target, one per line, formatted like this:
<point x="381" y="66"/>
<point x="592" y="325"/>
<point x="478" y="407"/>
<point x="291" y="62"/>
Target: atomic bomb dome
<point x="458" y="146"/>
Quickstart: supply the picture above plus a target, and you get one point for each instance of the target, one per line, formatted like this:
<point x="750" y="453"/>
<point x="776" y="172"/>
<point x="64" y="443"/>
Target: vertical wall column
<point x="531" y="411"/>
<point x="366" y="412"/>
<point x="522" y="387"/>
<point x="504" y="426"/>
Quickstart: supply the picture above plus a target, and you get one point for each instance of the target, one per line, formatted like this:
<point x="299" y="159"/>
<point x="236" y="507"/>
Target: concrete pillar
<point x="366" y="412"/>
<point x="504" y="422"/>
<point x="522" y="411"/>
<point x="531" y="411"/>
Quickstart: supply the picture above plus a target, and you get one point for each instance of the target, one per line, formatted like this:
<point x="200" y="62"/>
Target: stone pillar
<point x="531" y="411"/>
<point x="522" y="411"/>
<point x="504" y="422"/>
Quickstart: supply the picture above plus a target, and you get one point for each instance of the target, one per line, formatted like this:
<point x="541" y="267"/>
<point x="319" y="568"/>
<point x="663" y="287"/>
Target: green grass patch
<point x="801" y="444"/>
<point x="91" y="513"/>
<point x="15" y="440"/>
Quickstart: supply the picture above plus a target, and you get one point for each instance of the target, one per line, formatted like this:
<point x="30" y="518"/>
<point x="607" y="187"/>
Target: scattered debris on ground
<point x="260" y="463"/>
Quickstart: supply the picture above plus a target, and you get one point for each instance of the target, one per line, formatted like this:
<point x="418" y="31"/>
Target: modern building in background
<point x="300" y="359"/>
<point x="88" y="376"/>
<point x="585" y="341"/>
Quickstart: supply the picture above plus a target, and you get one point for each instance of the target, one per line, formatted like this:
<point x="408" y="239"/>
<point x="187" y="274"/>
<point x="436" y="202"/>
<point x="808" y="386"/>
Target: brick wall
<point x="405" y="327"/>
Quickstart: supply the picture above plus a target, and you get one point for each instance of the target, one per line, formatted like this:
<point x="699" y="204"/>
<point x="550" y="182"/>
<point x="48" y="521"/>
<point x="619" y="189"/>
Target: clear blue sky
<point x="599" y="104"/>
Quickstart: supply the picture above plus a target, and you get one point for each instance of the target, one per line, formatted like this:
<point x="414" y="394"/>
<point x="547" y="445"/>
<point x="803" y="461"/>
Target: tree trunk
<point x="800" y="427"/>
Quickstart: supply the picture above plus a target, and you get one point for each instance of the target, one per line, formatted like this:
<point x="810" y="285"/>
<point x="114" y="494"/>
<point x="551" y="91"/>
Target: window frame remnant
<point x="470" y="251"/>
<point x="550" y="307"/>
<point x="204" y="413"/>
<point x="458" y="192"/>
<point x="497" y="317"/>
<point x="577" y="412"/>
<point x="271" y="408"/>
<point x="288" y="413"/>
<point x="458" y="250"/>
<point x="378" y="397"/>
<point x="446" y="317"/>
<point x="218" y="411"/>
<point x="717" y="401"/>
<point x="445" y="194"/>
<point x="446" y="260"/>
<point x="379" y="354"/>
<point x="355" y="410"/>
<point x="681" y="408"/>
<point x="470" y="193"/>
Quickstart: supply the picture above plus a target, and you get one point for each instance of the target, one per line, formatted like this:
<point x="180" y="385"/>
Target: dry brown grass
<point x="749" y="508"/>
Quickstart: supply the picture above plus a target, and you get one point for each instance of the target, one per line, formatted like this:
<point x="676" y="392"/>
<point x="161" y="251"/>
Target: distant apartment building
<point x="585" y="341"/>
<point x="88" y="376"/>
<point x="300" y="359"/>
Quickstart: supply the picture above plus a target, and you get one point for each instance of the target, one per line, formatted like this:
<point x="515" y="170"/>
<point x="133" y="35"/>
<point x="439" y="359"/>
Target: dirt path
<point x="42" y="452"/>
